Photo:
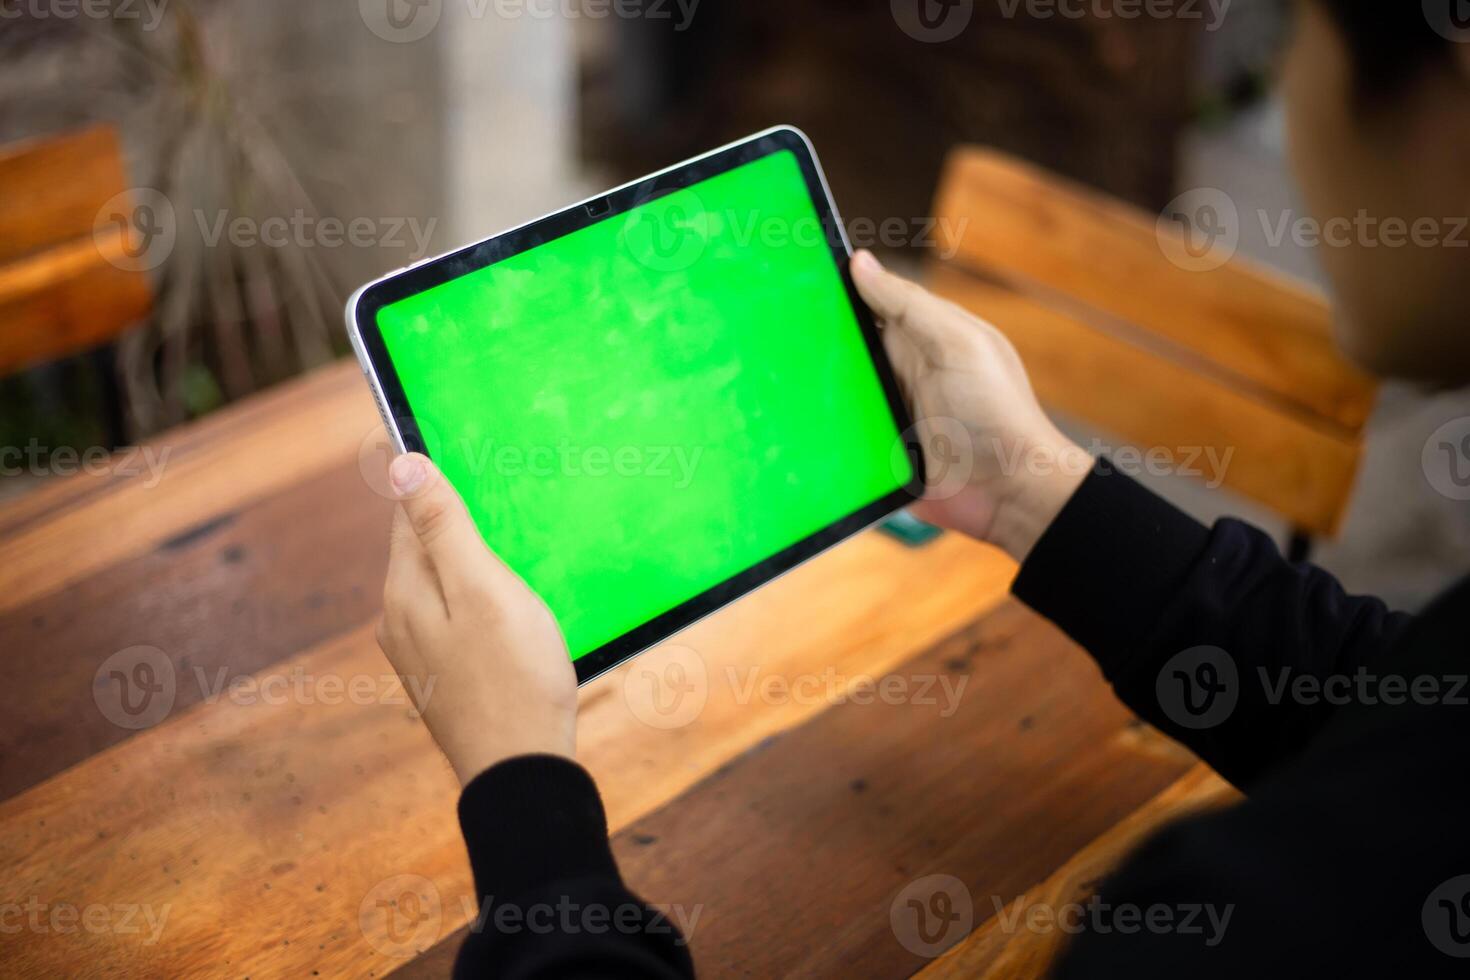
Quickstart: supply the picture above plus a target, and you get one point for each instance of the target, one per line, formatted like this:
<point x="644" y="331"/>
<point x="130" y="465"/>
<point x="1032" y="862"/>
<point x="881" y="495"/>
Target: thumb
<point x="438" y="517"/>
<point x="900" y="303"/>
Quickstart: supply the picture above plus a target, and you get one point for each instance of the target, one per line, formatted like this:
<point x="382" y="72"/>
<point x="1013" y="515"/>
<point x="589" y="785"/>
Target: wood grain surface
<point x="1021" y="942"/>
<point x="266" y="819"/>
<point x="794" y="859"/>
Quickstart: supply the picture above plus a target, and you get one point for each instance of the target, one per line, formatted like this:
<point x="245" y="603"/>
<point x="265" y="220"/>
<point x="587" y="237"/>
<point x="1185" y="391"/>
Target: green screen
<point x="639" y="410"/>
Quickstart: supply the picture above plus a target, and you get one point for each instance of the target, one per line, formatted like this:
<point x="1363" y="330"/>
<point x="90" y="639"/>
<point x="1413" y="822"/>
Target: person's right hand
<point x="1000" y="471"/>
<point x="459" y="625"/>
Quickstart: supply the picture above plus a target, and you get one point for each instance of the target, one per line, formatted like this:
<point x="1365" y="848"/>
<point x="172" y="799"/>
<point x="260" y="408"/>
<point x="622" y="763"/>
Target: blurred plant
<point x="229" y="316"/>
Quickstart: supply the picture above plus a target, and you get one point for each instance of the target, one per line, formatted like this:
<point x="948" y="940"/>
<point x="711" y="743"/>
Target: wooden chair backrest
<point x="1117" y="334"/>
<point x="65" y="282"/>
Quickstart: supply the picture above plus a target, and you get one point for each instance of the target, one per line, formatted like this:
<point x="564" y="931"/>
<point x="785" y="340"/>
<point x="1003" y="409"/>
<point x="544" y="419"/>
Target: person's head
<point x="1378" y="111"/>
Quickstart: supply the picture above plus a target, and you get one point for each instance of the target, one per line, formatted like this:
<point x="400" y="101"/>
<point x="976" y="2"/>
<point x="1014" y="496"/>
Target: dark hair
<point x="1393" y="42"/>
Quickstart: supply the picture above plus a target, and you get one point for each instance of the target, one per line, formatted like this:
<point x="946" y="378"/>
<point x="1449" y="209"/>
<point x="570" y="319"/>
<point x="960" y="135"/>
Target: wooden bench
<point x="67" y="284"/>
<point x="1115" y="333"/>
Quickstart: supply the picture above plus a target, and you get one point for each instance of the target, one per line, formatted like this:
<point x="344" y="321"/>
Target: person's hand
<point x="1000" y="470"/>
<point x="455" y="617"/>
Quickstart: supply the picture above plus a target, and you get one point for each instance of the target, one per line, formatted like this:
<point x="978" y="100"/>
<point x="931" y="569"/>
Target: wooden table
<point x="259" y="801"/>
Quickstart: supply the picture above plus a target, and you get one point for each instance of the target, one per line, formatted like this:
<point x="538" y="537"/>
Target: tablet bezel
<point x="398" y="417"/>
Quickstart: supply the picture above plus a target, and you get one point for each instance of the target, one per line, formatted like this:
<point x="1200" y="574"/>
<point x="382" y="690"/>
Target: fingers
<point x="435" y="519"/>
<point x="910" y="366"/>
<point x="897" y="301"/>
<point x="412" y="584"/>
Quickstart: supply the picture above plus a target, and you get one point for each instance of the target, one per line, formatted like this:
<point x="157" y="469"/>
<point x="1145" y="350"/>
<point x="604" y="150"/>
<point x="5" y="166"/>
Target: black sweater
<point x="1345" y="724"/>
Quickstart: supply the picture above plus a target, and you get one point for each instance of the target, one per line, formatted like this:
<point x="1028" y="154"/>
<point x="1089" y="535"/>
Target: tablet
<point x="652" y="401"/>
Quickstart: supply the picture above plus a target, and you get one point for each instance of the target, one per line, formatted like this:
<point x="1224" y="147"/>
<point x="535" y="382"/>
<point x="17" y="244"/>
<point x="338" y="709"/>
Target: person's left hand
<point x="455" y="617"/>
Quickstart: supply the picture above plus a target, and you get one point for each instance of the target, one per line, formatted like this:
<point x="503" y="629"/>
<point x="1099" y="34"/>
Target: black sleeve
<point x="551" y="901"/>
<point x="1348" y="863"/>
<point x="1198" y="628"/>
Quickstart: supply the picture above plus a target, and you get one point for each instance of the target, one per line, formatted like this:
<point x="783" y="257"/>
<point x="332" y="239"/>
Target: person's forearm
<point x="551" y="900"/>
<point x="1201" y="631"/>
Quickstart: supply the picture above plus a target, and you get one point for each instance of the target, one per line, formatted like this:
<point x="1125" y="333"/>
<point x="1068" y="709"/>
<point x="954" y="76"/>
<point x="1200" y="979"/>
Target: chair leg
<point x="114" y="427"/>
<point x="1298" y="546"/>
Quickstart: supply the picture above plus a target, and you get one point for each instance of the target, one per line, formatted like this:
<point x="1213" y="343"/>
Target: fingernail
<point x="867" y="260"/>
<point x="407" y="473"/>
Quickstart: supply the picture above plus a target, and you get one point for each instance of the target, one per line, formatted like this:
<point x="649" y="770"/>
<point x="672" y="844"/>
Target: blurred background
<point x="276" y="154"/>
